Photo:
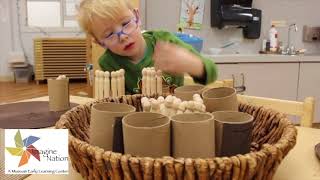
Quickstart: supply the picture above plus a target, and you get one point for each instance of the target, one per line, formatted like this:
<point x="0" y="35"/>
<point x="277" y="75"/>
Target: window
<point x="43" y="14"/>
<point x="50" y="14"/>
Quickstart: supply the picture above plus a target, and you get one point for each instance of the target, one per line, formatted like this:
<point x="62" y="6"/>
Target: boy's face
<point x="121" y="36"/>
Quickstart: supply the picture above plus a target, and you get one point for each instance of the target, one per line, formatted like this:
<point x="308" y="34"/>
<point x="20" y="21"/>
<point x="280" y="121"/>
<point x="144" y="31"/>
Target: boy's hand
<point x="176" y="60"/>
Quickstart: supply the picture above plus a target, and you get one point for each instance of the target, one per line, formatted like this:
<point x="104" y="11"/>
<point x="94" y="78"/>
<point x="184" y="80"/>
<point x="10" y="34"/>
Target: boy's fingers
<point x="157" y="47"/>
<point x="160" y="45"/>
<point x="156" y="67"/>
<point x="155" y="57"/>
<point x="156" y="51"/>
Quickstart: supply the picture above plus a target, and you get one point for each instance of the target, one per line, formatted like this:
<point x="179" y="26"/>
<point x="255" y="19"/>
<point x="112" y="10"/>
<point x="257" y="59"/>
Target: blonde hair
<point x="106" y="9"/>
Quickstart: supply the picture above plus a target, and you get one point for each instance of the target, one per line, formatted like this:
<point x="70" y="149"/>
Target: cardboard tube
<point x="186" y="93"/>
<point x="220" y="99"/>
<point x="193" y="135"/>
<point x="232" y="132"/>
<point x="58" y="91"/>
<point x="146" y="134"/>
<point x="103" y="117"/>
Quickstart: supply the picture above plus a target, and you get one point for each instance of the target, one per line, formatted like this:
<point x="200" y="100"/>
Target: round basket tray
<point x="273" y="137"/>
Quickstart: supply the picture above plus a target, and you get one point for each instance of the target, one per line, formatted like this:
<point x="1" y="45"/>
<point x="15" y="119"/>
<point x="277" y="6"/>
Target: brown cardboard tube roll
<point x="146" y="134"/>
<point x="193" y="135"/>
<point x="58" y="91"/>
<point x="232" y="132"/>
<point x="220" y="99"/>
<point x="317" y="150"/>
<point x="186" y="93"/>
<point x="103" y="117"/>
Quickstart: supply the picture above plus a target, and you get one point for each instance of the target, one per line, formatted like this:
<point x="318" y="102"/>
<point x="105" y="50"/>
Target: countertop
<point x="263" y="58"/>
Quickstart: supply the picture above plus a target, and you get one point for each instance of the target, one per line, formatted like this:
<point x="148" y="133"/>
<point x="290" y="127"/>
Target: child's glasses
<point x="126" y="29"/>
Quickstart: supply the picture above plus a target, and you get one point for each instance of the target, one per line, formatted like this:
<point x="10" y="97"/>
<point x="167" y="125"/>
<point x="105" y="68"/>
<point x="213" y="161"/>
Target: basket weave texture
<point x="273" y="137"/>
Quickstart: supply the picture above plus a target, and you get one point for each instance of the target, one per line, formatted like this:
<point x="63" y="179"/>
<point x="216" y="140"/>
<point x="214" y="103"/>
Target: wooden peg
<point x="100" y="86"/>
<point x="155" y="106"/>
<point x="160" y="99"/>
<point x="148" y="87"/>
<point x="118" y="79"/>
<point x="197" y="98"/>
<point x="197" y="106"/>
<point x="175" y="105"/>
<point x="144" y="99"/>
<point x="189" y="107"/>
<point x="182" y="107"/>
<point x="168" y="104"/>
<point x="153" y="85"/>
<point x="106" y="84"/>
<point x="159" y="82"/>
<point x="113" y="84"/>
<point x="163" y="109"/>
<point x="96" y="84"/>
<point x="146" y="105"/>
<point x="122" y="81"/>
<point x="144" y="82"/>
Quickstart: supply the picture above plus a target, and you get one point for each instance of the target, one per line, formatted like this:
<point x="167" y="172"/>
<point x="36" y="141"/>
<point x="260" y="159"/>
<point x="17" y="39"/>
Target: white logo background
<point x="54" y="142"/>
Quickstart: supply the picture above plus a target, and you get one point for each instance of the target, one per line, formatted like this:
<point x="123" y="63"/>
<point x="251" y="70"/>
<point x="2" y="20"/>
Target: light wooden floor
<point x="11" y="92"/>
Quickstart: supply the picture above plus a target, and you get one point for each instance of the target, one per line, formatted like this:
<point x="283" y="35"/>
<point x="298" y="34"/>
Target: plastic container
<point x="23" y="74"/>
<point x="215" y="51"/>
<point x="17" y="57"/>
<point x="194" y="41"/>
<point x="264" y="45"/>
<point x="273" y="36"/>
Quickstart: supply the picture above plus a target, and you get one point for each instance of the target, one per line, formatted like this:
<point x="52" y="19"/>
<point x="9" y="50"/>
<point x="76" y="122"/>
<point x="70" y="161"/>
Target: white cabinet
<point x="309" y="84"/>
<point x="274" y="80"/>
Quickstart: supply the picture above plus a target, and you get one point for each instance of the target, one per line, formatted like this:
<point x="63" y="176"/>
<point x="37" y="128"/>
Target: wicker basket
<point x="273" y="137"/>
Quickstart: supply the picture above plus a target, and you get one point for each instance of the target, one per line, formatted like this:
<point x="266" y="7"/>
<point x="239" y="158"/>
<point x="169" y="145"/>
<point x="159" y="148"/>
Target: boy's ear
<point x="137" y="13"/>
<point x="95" y="41"/>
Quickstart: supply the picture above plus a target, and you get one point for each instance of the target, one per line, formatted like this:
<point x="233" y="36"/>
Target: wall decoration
<point x="191" y="13"/>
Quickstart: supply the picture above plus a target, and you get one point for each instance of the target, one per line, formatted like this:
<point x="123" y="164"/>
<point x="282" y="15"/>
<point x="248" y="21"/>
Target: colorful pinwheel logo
<point x="24" y="148"/>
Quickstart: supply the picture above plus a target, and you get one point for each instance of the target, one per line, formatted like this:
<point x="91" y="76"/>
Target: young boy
<point x="114" y="24"/>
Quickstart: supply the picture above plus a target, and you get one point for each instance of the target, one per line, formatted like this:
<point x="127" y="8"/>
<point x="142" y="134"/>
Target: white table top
<point x="300" y="164"/>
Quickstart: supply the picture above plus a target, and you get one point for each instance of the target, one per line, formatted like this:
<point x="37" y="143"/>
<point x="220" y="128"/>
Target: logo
<point x="36" y="151"/>
<point x="24" y="148"/>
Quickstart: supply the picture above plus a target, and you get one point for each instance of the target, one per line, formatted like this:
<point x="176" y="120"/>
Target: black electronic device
<point x="237" y="13"/>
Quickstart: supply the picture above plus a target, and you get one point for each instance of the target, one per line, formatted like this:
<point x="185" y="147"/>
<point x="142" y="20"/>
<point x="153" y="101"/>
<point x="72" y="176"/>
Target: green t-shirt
<point x="110" y="61"/>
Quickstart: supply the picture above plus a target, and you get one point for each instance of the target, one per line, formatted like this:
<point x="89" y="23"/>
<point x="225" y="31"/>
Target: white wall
<point x="165" y="14"/>
<point x="10" y="37"/>
<point x="5" y="36"/>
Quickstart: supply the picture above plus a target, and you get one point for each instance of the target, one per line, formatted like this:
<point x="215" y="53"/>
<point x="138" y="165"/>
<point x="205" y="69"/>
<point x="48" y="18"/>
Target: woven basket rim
<point x="288" y="131"/>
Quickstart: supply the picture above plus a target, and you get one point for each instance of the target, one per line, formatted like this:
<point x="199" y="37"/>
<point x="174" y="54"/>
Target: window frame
<point x="24" y="19"/>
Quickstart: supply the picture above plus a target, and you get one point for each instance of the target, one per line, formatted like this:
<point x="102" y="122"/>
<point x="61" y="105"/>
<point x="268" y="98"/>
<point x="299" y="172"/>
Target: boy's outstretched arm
<point x="178" y="58"/>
